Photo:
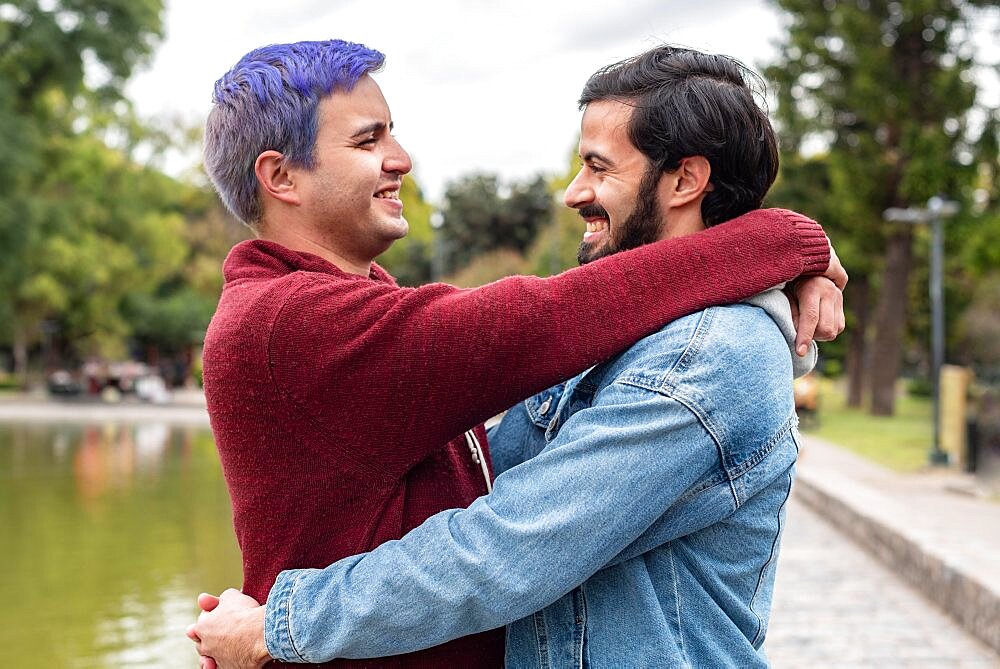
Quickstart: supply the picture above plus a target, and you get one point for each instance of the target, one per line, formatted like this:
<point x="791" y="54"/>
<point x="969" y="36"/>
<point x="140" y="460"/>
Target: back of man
<point x="710" y="396"/>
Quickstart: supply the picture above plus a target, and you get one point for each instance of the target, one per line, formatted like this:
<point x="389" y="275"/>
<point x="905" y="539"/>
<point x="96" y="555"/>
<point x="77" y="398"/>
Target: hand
<point x="207" y="602"/>
<point x="835" y="271"/>
<point x="229" y="633"/>
<point x="817" y="310"/>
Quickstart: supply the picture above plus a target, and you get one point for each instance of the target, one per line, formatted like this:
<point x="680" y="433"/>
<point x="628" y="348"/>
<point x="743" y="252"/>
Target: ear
<point x="690" y="181"/>
<point x="275" y="178"/>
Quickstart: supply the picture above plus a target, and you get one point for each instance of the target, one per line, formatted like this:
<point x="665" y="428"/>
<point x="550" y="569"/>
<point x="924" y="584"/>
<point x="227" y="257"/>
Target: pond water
<point x="109" y="533"/>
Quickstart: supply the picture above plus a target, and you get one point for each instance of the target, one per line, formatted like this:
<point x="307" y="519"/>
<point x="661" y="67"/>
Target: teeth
<point x="388" y="195"/>
<point x="596" y="226"/>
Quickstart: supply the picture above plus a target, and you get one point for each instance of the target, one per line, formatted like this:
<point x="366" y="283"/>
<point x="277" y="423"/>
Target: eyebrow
<point x="374" y="126"/>
<point x="594" y="155"/>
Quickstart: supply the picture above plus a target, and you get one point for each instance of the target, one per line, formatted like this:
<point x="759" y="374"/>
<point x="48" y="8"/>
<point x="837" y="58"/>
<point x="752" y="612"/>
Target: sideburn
<point x="643" y="226"/>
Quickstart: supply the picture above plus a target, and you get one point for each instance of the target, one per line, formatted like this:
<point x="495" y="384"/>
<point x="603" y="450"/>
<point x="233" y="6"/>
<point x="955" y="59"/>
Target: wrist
<point x="813" y="244"/>
<point x="259" y="649"/>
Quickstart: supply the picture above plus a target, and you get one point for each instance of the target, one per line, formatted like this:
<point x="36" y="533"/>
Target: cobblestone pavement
<point x="837" y="607"/>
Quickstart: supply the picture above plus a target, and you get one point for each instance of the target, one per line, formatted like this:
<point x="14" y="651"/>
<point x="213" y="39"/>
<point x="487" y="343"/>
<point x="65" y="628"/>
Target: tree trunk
<point x="890" y="319"/>
<point x="20" y="356"/>
<point x="858" y="298"/>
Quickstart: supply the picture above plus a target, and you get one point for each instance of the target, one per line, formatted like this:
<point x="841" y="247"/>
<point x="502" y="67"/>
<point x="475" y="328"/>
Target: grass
<point x="900" y="442"/>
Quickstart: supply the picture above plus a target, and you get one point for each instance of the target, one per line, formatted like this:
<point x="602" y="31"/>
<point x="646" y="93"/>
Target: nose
<point x="578" y="193"/>
<point x="396" y="159"/>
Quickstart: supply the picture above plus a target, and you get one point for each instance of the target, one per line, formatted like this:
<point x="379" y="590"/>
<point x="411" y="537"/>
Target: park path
<point x="836" y="607"/>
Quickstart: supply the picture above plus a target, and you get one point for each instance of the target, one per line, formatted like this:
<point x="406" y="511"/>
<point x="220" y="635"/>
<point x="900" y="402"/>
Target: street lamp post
<point x="437" y="258"/>
<point x="936" y="211"/>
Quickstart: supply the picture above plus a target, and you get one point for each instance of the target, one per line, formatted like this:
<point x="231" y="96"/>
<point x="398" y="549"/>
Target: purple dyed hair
<point x="268" y="101"/>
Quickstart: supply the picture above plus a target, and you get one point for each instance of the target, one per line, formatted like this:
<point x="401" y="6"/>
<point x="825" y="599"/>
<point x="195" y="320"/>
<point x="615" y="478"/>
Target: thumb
<point x="207" y="602"/>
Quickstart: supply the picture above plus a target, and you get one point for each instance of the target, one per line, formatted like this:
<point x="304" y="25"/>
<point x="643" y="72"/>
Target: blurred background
<point x="111" y="244"/>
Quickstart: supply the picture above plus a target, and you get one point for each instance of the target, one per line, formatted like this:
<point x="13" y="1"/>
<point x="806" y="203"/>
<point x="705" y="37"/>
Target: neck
<point x="291" y="237"/>
<point x="682" y="222"/>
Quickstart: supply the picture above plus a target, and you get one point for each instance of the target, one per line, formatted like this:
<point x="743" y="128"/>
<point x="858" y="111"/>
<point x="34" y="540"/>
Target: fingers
<point x="831" y="318"/>
<point x="231" y="593"/>
<point x="236" y="599"/>
<point x="218" y="624"/>
<point x="818" y="314"/>
<point x="809" y="312"/>
<point x="207" y="602"/>
<point x="835" y="271"/>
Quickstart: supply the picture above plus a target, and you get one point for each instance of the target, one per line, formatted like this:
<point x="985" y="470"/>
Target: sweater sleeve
<point x="548" y="525"/>
<point x="418" y="366"/>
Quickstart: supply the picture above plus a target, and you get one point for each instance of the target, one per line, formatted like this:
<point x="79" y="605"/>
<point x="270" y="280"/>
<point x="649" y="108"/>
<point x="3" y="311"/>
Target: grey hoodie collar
<point x="775" y="303"/>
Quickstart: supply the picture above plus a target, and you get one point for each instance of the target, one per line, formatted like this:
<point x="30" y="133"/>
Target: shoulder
<point x="729" y="337"/>
<point x="712" y="359"/>
<point x="734" y="345"/>
<point x="728" y="367"/>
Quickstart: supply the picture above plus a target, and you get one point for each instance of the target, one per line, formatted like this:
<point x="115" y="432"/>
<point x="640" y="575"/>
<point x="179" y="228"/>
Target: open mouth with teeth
<point x="387" y="195"/>
<point x="595" y="228"/>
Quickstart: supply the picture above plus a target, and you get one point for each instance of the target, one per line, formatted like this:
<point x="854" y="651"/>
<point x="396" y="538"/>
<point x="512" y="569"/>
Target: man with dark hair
<point x="334" y="394"/>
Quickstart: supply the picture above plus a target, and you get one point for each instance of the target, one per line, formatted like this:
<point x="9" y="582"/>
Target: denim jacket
<point x="634" y="521"/>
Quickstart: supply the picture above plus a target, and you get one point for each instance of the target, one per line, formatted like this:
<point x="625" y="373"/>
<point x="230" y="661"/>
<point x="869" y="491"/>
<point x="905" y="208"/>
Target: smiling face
<point x="351" y="194"/>
<point x="616" y="191"/>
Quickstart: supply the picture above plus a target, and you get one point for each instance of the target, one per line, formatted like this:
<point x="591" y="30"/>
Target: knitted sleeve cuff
<point x="814" y="245"/>
<point x="277" y="632"/>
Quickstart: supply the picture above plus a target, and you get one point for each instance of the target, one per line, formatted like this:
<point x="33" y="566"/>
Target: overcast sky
<point x="472" y="84"/>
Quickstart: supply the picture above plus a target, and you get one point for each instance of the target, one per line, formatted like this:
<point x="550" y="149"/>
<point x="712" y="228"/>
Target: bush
<point x="832" y="368"/>
<point x="920" y="387"/>
<point x="488" y="268"/>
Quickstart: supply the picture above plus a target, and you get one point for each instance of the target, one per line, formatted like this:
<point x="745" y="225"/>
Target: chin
<point x="589" y="253"/>
<point x="395" y="228"/>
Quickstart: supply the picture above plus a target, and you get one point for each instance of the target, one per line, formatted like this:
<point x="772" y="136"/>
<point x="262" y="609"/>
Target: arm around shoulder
<point x="549" y="524"/>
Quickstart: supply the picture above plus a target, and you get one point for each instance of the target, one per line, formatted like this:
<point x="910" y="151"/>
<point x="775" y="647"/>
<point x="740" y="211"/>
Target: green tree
<point x="482" y="214"/>
<point x="887" y="88"/>
<point x="57" y="251"/>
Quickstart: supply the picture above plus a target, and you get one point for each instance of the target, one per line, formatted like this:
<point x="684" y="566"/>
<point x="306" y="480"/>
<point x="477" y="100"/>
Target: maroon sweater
<point x="336" y="399"/>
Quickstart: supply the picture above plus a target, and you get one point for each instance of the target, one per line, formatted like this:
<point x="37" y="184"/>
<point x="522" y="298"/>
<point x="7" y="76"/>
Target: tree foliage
<point x="885" y="90"/>
<point x="482" y="214"/>
<point x="96" y="249"/>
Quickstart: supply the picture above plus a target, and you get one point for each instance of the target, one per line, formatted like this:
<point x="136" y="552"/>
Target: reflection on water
<point x="109" y="533"/>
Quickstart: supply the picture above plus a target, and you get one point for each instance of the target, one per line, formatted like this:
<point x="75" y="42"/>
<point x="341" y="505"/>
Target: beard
<point x="643" y="225"/>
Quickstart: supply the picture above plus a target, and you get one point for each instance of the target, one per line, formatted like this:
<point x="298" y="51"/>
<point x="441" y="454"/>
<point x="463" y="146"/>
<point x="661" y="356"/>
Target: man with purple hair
<point x="346" y="409"/>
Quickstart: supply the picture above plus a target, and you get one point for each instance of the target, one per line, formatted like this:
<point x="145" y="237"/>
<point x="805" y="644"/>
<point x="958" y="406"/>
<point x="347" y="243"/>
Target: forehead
<point x="364" y="103"/>
<point x="604" y="129"/>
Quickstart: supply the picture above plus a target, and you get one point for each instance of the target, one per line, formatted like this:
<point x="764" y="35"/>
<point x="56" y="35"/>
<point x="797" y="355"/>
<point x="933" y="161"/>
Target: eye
<point x="595" y="169"/>
<point x="368" y="142"/>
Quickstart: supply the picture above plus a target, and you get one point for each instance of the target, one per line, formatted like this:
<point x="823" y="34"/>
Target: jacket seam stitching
<point x="692" y="348"/>
<point x="288" y="621"/>
<point x="692" y="406"/>
<point x="767" y="563"/>
<point x="677" y="604"/>
<point x="758" y="456"/>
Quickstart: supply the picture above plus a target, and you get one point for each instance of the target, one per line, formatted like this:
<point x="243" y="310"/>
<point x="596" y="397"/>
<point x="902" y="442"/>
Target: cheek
<point x="610" y="198"/>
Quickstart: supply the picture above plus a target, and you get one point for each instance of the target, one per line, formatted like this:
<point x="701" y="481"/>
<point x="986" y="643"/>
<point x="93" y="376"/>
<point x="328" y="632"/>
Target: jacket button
<point x="544" y="409"/>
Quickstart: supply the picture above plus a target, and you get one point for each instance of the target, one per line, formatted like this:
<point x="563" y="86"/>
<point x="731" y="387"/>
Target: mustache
<point x="593" y="211"/>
